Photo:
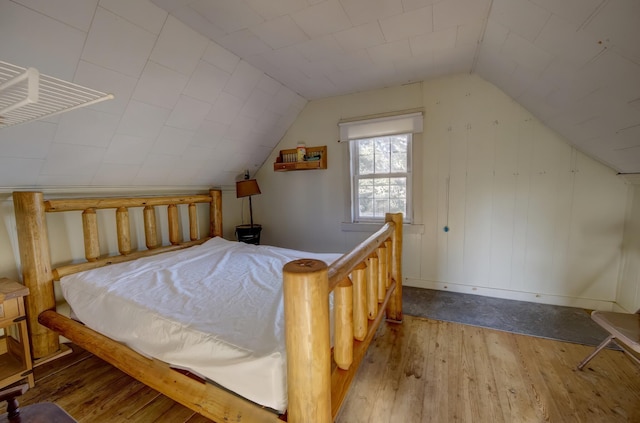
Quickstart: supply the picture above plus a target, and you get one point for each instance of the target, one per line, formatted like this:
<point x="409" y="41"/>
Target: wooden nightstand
<point x="15" y="354"/>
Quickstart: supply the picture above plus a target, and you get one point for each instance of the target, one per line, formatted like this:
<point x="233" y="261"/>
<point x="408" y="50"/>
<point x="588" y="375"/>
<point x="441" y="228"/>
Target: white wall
<point x="531" y="218"/>
<point x="628" y="297"/>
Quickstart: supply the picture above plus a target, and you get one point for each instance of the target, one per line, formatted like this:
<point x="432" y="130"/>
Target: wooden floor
<point x="420" y="371"/>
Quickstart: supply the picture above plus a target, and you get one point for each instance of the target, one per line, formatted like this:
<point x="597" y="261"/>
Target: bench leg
<point x="596" y="351"/>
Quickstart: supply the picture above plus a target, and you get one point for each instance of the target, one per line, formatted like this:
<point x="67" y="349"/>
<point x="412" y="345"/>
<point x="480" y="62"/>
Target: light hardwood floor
<point x="420" y="371"/>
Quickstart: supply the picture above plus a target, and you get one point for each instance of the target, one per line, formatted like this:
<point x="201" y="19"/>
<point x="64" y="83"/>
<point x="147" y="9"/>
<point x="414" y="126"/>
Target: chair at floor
<point x="42" y="412"/>
<point x="624" y="329"/>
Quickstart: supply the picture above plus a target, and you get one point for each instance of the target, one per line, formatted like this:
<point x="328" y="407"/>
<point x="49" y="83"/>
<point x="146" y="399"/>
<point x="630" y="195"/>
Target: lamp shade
<point x="247" y="188"/>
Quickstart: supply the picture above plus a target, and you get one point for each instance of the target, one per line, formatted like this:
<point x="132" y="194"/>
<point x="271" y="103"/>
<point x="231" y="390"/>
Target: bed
<point x="326" y="314"/>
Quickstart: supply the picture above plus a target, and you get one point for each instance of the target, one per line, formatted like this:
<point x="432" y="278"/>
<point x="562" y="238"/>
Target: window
<point x="380" y="158"/>
<point x="381" y="177"/>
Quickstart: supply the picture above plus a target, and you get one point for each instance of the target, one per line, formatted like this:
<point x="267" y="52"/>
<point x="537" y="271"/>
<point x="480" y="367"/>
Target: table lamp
<point x="247" y="188"/>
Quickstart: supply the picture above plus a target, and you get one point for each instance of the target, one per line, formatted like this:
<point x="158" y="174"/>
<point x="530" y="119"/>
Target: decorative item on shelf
<point x="248" y="233"/>
<point x="313" y="158"/>
<point x="301" y="151"/>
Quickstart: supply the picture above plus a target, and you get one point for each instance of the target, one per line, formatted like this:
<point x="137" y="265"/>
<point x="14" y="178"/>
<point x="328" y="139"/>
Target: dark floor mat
<point x="560" y="323"/>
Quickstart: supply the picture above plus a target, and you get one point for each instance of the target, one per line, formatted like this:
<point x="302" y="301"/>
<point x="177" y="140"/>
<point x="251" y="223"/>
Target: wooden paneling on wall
<point x="530" y="217"/>
<point x="629" y="288"/>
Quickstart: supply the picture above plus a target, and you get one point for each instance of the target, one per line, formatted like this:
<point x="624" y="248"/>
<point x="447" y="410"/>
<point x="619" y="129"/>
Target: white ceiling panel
<point x="225" y="108"/>
<point x="520" y="16"/>
<point x="364" y="11"/>
<point x="160" y="85"/>
<point x="618" y="22"/>
<point x="409" y="24"/>
<point x="280" y="32"/>
<point x="35" y="145"/>
<point x="62" y="160"/>
<point x="47" y="44"/>
<point x="206" y="82"/>
<point x="143" y="120"/>
<point x="117" y="44"/>
<point x="179" y="47"/>
<point x="322" y="19"/>
<point x="110" y="174"/>
<point x="245" y="43"/>
<point x="525" y="53"/>
<point x="142" y="13"/>
<point x="230" y="16"/>
<point x="198" y="22"/>
<point x="409" y="5"/>
<point x="172" y="141"/>
<point x="188" y="113"/>
<point x="390" y="52"/>
<point x="275" y="8"/>
<point x="243" y="80"/>
<point x="470" y="34"/>
<point x="576" y="47"/>
<point x="438" y="40"/>
<point x="224" y="79"/>
<point x="87" y="127"/>
<point x="451" y="13"/>
<point x="210" y="133"/>
<point x="154" y="170"/>
<point x="358" y="37"/>
<point x="575" y="11"/>
<point x="128" y="149"/>
<point x="218" y="56"/>
<point x="77" y="13"/>
<point x="106" y="80"/>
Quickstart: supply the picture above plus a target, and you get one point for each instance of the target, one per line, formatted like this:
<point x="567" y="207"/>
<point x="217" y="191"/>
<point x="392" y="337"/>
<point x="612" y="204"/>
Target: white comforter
<point x="215" y="309"/>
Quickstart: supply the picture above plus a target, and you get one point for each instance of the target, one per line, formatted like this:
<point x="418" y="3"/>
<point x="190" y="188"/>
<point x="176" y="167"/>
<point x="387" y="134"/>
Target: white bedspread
<point x="215" y="309"/>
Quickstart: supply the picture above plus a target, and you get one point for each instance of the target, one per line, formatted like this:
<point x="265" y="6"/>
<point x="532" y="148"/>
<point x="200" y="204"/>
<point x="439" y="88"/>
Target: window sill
<point x="409" y="229"/>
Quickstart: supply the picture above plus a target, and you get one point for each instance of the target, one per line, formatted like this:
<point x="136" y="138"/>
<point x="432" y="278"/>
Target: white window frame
<point x="355" y="177"/>
<point x="394" y="123"/>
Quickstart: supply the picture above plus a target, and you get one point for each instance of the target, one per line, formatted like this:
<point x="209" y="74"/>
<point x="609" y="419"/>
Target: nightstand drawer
<point x="9" y="310"/>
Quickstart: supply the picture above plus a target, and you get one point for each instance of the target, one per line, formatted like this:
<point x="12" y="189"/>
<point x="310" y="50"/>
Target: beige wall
<point x="531" y="218"/>
<point x="628" y="297"/>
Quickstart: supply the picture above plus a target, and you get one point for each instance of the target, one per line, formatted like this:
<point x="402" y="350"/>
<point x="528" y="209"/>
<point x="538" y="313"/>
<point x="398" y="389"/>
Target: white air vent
<point x="27" y="95"/>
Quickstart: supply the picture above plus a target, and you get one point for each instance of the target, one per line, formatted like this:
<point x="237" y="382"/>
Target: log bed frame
<point x="366" y="283"/>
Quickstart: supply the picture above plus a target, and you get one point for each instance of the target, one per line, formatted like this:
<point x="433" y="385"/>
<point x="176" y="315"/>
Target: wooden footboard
<point x="366" y="284"/>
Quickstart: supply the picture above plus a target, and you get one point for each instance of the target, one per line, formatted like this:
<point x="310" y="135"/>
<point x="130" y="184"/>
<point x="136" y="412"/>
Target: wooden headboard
<point x="33" y="239"/>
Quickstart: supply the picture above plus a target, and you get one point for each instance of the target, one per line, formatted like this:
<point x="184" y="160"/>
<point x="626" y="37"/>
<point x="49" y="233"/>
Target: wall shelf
<point x="316" y="159"/>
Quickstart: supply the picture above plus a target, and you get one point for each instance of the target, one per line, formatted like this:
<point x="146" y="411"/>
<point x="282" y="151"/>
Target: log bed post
<point x="215" y="213"/>
<point x="35" y="261"/>
<point x="394" y="308"/>
<point x="306" y="311"/>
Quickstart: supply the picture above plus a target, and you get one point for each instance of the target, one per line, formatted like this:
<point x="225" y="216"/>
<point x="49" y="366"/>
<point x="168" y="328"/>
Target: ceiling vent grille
<point x="27" y="95"/>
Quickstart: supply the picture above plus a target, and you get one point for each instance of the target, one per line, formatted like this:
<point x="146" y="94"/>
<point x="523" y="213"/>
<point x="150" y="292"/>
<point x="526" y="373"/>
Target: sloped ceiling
<point x="206" y="88"/>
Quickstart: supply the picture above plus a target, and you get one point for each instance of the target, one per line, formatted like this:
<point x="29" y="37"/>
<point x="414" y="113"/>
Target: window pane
<point x="378" y="196"/>
<point x="382" y="150"/>
<point x="365" y="157"/>
<point x="398" y="158"/>
<point x="376" y="192"/>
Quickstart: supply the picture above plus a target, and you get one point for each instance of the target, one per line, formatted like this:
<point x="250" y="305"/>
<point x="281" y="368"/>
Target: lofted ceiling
<point x="575" y="64"/>
<point x="206" y="88"/>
